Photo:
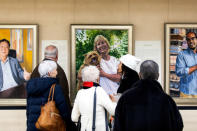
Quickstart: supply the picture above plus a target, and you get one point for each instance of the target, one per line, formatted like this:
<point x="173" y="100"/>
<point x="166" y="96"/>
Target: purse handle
<point x="51" y="90"/>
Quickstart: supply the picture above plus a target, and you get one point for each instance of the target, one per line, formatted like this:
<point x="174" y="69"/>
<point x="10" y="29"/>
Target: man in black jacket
<point x="51" y="53"/>
<point x="146" y="107"/>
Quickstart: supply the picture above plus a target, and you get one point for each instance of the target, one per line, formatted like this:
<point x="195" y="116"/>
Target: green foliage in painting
<point x="118" y="40"/>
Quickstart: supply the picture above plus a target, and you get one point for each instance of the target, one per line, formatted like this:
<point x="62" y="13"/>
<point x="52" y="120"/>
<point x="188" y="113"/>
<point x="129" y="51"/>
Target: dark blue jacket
<point x="37" y="95"/>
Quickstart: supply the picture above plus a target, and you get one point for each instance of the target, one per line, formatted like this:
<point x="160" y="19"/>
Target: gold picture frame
<point x="83" y="35"/>
<point x="175" y="41"/>
<point x="24" y="42"/>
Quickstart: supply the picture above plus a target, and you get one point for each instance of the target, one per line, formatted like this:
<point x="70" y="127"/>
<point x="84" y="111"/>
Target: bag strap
<point x="94" y="112"/>
<point x="79" y="124"/>
<point x="94" y="115"/>
<point x="106" y="121"/>
<point x="51" y="91"/>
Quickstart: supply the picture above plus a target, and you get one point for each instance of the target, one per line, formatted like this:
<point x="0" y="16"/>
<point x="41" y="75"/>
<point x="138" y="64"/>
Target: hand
<point x="26" y="75"/>
<point x="102" y="73"/>
<point x="112" y="98"/>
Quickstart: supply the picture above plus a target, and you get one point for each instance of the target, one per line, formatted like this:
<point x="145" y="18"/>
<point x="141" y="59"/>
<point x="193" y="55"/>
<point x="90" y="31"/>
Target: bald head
<point x="149" y="70"/>
<point x="51" y="52"/>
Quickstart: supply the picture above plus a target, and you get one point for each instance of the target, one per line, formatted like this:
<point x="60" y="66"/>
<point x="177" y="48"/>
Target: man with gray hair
<point x="149" y="70"/>
<point x="51" y="53"/>
<point x="146" y="107"/>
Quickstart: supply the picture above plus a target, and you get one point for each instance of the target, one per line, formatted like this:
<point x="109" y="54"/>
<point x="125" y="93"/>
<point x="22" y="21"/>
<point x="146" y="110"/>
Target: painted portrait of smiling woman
<point x="109" y="71"/>
<point x="109" y="41"/>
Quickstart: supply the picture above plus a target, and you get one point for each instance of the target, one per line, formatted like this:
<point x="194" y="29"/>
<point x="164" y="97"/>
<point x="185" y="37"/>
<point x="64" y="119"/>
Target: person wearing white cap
<point x="129" y="73"/>
<point x="129" y="76"/>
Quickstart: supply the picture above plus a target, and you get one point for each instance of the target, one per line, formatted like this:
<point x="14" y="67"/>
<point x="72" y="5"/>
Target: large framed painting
<point x="180" y="57"/>
<point x="23" y="46"/>
<point x="82" y="41"/>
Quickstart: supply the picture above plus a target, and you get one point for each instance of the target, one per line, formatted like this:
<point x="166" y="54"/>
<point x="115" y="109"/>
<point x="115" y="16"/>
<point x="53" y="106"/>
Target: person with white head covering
<point x="37" y="95"/>
<point x="129" y="73"/>
<point x="83" y="104"/>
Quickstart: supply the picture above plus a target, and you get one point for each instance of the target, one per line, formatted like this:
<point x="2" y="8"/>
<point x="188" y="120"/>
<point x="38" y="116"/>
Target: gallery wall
<point x="54" y="18"/>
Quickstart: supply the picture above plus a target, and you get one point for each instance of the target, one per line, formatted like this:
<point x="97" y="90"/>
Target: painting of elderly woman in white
<point x="85" y="39"/>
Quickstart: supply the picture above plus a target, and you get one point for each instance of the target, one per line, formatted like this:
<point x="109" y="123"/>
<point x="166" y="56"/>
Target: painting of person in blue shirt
<point x="11" y="73"/>
<point x="186" y="68"/>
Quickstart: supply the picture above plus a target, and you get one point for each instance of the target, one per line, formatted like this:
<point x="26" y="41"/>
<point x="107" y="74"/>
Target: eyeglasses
<point x="190" y="39"/>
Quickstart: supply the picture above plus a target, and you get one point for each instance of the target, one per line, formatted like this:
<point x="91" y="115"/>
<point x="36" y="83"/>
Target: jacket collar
<point x="87" y="85"/>
<point x="147" y="83"/>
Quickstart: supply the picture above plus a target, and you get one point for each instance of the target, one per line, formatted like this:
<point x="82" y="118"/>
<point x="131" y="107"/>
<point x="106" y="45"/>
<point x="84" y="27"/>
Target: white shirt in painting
<point x="110" y="67"/>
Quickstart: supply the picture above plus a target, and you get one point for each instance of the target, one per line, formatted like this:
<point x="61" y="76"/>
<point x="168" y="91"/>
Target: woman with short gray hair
<point x="84" y="100"/>
<point x="37" y="95"/>
<point x="47" y="68"/>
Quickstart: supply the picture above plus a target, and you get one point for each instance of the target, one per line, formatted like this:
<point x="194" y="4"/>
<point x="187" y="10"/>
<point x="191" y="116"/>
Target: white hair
<point x="90" y="73"/>
<point x="45" y="67"/>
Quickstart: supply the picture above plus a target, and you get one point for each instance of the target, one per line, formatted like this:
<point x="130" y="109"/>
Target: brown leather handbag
<point x="50" y="119"/>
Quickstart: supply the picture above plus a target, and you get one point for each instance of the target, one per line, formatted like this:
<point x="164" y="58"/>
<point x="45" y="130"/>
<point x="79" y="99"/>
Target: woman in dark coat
<point x="129" y="75"/>
<point x="37" y="95"/>
<point x="129" y="78"/>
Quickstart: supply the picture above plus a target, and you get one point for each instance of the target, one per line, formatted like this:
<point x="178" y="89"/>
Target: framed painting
<point x="180" y="57"/>
<point x="82" y="41"/>
<point x="23" y="46"/>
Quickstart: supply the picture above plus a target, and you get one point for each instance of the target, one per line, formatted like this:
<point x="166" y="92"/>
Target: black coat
<point x="37" y="95"/>
<point x="145" y="107"/>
